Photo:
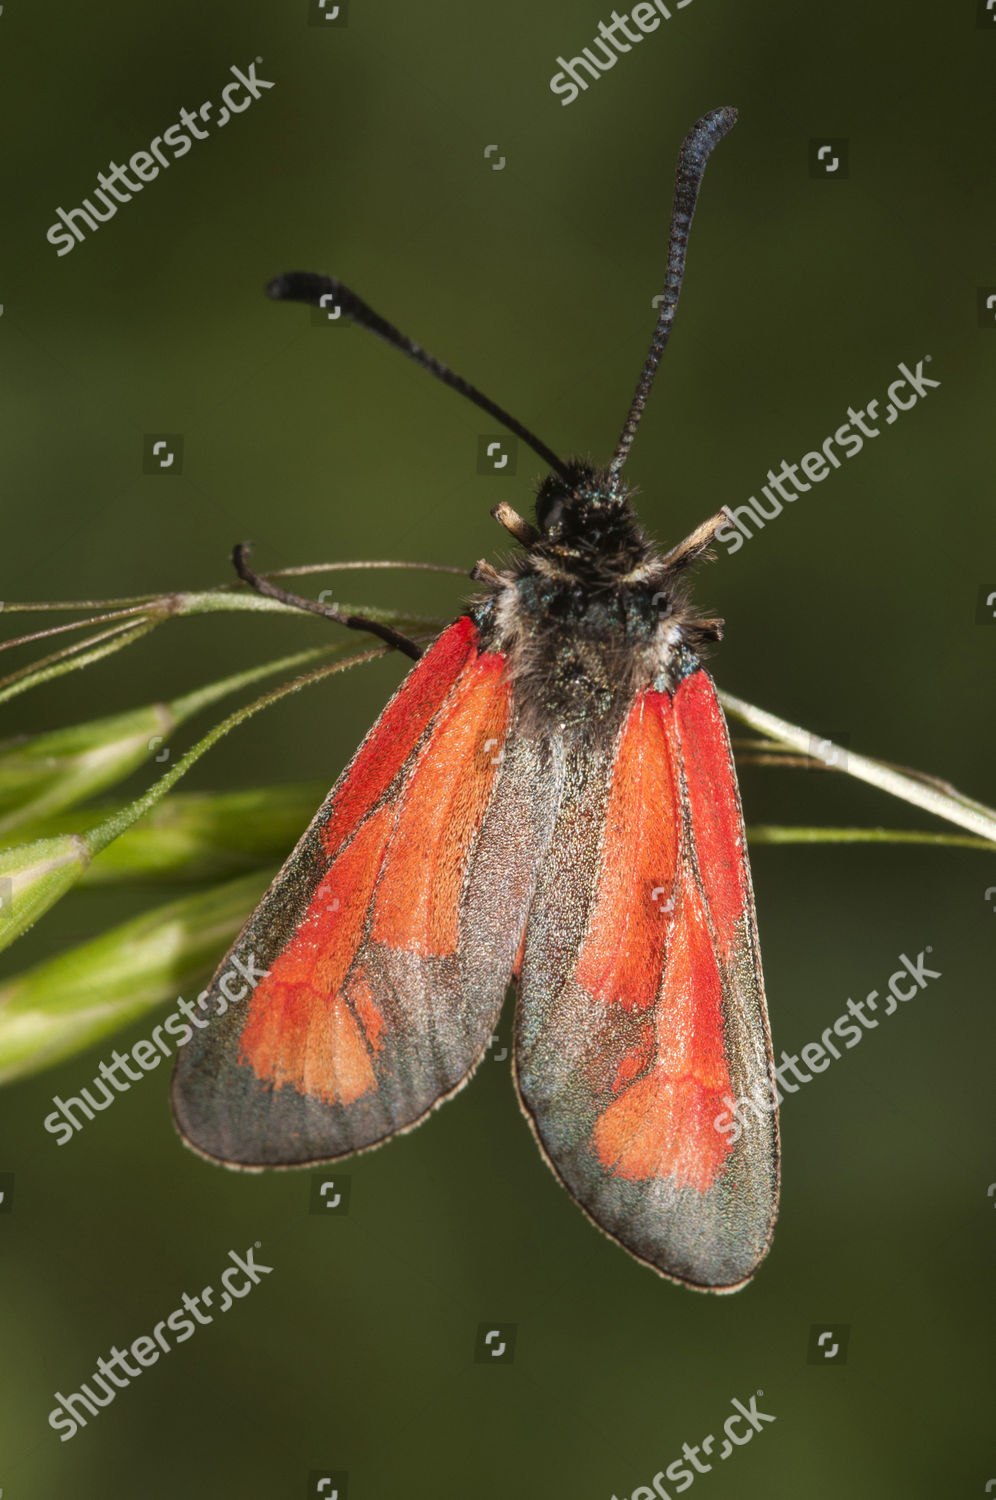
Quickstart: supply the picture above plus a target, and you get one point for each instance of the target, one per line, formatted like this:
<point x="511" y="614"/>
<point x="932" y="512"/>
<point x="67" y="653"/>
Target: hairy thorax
<point x="589" y="614"/>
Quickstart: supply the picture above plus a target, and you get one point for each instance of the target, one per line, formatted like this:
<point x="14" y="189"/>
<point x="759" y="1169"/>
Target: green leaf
<point x="69" y="1002"/>
<point x="45" y="773"/>
<point x="33" y="877"/>
<point x="209" y="836"/>
<point x="74" y="658"/>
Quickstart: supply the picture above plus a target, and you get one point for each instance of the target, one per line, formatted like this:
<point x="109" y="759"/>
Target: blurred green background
<point x="854" y="613"/>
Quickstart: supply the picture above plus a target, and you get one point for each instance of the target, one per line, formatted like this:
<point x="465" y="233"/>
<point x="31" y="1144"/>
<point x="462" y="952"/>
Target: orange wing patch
<point x="301" y="1028"/>
<point x="417" y="906"/>
<point x="662" y="1124"/>
<point x="623" y="955"/>
<point x="701" y="745"/>
<point x="397" y="731"/>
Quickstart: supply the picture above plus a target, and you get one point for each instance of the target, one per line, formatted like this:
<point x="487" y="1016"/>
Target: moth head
<point x="579" y="504"/>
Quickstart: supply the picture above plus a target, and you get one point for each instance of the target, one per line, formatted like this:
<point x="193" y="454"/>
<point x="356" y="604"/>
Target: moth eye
<point x="550" y="515"/>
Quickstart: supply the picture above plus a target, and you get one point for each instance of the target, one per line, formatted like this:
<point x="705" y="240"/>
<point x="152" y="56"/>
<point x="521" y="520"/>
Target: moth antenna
<point x="240" y="561"/>
<point x="326" y="291"/>
<point x="516" y="524"/>
<point x="695" y="151"/>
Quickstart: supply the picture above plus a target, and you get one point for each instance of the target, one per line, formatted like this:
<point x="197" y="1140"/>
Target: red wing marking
<point x="662" y="1124"/>
<point x="301" y="1028"/>
<point x="517" y="966"/>
<point x="704" y="752"/>
<point x="368" y="1014"/>
<point x="623" y="955"/>
<point x="417" y="905"/>
<point x="398" y="729"/>
<point x="639" y="1057"/>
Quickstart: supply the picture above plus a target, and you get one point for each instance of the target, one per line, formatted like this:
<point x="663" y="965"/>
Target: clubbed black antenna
<point x="695" y="151"/>
<point x="326" y="292"/>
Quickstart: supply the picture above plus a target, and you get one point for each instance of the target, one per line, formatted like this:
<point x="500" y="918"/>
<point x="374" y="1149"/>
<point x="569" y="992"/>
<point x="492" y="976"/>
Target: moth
<point x="550" y="801"/>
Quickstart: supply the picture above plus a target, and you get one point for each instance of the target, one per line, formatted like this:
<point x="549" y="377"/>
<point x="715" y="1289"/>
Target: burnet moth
<point x="549" y="799"/>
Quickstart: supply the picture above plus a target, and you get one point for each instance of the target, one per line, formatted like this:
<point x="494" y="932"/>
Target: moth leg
<point x="240" y="561"/>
